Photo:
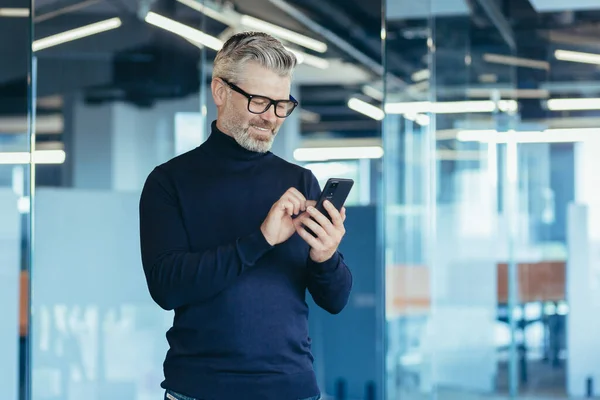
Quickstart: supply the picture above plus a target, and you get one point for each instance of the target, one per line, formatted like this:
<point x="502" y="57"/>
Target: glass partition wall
<point x="450" y="204"/>
<point x="15" y="193"/>
<point x="129" y="94"/>
<point x="489" y="208"/>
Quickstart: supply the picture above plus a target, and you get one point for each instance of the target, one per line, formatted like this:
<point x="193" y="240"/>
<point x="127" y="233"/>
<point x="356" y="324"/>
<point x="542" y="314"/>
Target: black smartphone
<point x="336" y="190"/>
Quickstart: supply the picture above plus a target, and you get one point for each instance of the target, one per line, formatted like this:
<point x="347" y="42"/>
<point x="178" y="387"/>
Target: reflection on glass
<point x="15" y="239"/>
<point x="512" y="225"/>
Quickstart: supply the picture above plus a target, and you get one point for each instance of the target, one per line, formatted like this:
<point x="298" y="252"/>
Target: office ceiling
<point x="464" y="32"/>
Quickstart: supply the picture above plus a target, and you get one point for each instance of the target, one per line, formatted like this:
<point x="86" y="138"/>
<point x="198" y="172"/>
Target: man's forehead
<point x="268" y="84"/>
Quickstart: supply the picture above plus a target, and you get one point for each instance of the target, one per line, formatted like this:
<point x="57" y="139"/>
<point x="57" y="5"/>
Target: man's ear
<point x="219" y="92"/>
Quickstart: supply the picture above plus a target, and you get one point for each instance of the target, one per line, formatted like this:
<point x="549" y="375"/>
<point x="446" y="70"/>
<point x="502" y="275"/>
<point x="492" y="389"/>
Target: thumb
<point x="311" y="203"/>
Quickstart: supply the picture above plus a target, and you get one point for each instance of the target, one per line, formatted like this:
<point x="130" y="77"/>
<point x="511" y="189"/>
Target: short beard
<point x="233" y="125"/>
<point x="247" y="141"/>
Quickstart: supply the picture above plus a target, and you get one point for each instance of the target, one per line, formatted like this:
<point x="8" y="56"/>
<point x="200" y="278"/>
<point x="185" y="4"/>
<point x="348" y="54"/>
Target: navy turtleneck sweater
<point x="240" y="328"/>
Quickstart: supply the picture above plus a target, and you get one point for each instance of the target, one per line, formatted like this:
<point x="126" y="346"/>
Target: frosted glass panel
<point x="10" y="228"/>
<point x="96" y="332"/>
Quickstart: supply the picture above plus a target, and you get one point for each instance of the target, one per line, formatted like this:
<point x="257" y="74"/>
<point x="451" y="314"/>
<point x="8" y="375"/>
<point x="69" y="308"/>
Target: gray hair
<point x="257" y="47"/>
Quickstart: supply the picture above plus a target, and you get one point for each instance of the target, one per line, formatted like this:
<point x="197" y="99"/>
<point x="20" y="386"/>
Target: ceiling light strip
<point x="576" y="56"/>
<point x="283" y="33"/>
<point x="338" y="153"/>
<point x="573" y="104"/>
<point x="14" y="12"/>
<point x="184" y="31"/>
<point x="39" y="157"/>
<point x="366" y="109"/>
<point x="516" y="61"/>
<point x="77" y="33"/>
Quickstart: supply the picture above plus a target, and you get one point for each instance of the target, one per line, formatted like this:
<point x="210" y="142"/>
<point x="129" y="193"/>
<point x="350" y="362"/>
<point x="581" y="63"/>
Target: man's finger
<point x="320" y="218"/>
<point x="336" y="218"/>
<point x="295" y="193"/>
<point x="312" y="241"/>
<point x="314" y="227"/>
<point x="287" y="207"/>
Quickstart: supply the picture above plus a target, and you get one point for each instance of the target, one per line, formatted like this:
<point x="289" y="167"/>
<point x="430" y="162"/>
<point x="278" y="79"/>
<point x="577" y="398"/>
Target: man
<point x="224" y="243"/>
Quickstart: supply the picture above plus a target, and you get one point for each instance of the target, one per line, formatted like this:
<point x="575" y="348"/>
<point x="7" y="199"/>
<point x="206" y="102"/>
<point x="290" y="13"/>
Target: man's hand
<point x="279" y="224"/>
<point x="329" y="233"/>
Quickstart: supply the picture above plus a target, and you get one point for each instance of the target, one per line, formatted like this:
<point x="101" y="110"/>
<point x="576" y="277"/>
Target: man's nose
<point x="269" y="115"/>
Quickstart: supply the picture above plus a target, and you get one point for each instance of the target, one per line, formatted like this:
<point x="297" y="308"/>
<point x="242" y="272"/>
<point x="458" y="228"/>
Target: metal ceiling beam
<point x="373" y="65"/>
<point x="60" y="8"/>
<point x="358" y="33"/>
<point x="499" y="20"/>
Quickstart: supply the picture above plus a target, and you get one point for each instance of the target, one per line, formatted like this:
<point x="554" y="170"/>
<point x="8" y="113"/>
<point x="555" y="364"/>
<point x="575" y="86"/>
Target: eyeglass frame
<point x="271" y="101"/>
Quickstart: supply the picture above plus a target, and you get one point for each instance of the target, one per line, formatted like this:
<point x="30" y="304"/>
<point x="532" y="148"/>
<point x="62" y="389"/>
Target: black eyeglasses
<point x="260" y="104"/>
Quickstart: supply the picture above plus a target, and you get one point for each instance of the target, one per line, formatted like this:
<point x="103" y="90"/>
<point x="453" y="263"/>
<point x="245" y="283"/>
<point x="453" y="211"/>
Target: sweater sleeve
<point x="329" y="282"/>
<point x="175" y="275"/>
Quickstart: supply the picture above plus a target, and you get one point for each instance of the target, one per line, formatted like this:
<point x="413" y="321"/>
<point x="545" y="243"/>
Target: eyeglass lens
<point x="259" y="105"/>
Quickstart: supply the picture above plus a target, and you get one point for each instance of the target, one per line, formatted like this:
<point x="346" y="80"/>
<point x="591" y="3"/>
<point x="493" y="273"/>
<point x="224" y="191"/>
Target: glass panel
<point x="408" y="179"/>
<point x="111" y="106"/>
<point x="450" y="202"/>
<point x="558" y="225"/>
<point x="509" y="235"/>
<point x="115" y="104"/>
<point x="15" y="238"/>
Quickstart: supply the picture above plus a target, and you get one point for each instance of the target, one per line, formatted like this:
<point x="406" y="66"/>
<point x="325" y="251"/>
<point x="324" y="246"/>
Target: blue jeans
<point x="170" y="395"/>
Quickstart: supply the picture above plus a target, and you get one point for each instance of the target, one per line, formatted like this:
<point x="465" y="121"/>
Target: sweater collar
<point x="224" y="145"/>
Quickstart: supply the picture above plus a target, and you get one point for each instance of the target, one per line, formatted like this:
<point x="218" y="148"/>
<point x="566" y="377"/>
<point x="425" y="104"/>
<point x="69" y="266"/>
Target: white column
<point x="587" y="182"/>
<point x="583" y="297"/>
<point x="116" y="145"/>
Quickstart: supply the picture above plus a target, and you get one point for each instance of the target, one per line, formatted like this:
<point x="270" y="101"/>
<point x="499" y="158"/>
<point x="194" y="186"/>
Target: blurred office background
<point x="471" y="128"/>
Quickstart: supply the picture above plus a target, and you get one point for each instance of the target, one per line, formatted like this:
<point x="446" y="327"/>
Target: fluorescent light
<point x="39" y="157"/>
<point x="508" y="105"/>
<point x="184" y="31"/>
<point x="420" y="119"/>
<point x="516" y="61"/>
<point x="488" y="78"/>
<point x="338" y="153"/>
<point x="77" y="33"/>
<point x="283" y="33"/>
<point x="463" y="107"/>
<point x="14" y="12"/>
<point x="365" y="108"/>
<point x="546" y="136"/>
<point x="487" y="93"/>
<point x="459" y="155"/>
<point x="409" y="107"/>
<point x="576" y="56"/>
<point x="573" y="104"/>
<point x="209" y="12"/>
<point x="421" y="75"/>
<point x="44" y="124"/>
<point x="456" y="107"/>
<point x="315" y="61"/>
<point x="231" y="18"/>
<point x="309" y="59"/>
<point x="423" y="119"/>
<point x="372" y="92"/>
